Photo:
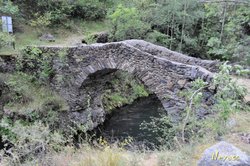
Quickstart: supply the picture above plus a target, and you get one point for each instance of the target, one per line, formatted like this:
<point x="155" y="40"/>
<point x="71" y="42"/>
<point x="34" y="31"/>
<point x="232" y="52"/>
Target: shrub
<point x="6" y="39"/>
<point x="229" y="94"/>
<point x="241" y="52"/>
<point x="127" y="24"/>
<point x="158" y="38"/>
<point x="89" y="9"/>
<point x="35" y="101"/>
<point x="228" y="99"/>
<point x="59" y="10"/>
<point x="8" y="8"/>
<point x="28" y="140"/>
<point x="41" y="21"/>
<point x="139" y="90"/>
<point x="163" y="129"/>
<point x="34" y="61"/>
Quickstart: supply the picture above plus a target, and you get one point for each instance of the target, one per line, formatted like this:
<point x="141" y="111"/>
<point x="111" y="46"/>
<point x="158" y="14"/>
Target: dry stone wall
<point x="164" y="72"/>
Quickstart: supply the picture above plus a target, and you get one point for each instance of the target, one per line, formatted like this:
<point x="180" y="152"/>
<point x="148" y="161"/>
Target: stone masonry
<point x="163" y="72"/>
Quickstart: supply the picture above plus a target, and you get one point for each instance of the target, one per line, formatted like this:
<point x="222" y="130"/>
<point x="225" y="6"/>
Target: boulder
<point x="7" y="63"/>
<point x="101" y="37"/>
<point x="245" y="137"/>
<point x="47" y="37"/>
<point x="84" y="41"/>
<point x="224" y="154"/>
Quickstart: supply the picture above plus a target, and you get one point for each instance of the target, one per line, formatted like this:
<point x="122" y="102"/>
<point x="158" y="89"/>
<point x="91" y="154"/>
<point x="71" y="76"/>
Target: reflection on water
<point x="126" y="121"/>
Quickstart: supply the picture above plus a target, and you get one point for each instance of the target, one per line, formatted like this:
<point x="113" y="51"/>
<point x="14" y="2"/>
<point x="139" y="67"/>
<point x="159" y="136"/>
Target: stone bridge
<point x="163" y="72"/>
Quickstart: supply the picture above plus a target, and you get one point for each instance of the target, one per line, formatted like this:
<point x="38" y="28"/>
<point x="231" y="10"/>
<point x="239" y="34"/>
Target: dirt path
<point x="151" y="160"/>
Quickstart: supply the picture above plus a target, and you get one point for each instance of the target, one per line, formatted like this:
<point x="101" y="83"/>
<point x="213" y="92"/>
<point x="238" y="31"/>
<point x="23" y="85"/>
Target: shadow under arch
<point x="122" y="122"/>
<point x="161" y="76"/>
<point x="94" y="86"/>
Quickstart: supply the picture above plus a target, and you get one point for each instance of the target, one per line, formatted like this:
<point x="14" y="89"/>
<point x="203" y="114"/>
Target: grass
<point x="115" y="156"/>
<point x="79" y="30"/>
<point x="112" y="155"/>
<point x="36" y="94"/>
<point x="242" y="121"/>
<point x="244" y="82"/>
<point x="88" y="27"/>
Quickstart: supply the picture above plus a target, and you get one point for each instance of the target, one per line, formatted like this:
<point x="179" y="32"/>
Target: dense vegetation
<point x="213" y="30"/>
<point x="30" y="129"/>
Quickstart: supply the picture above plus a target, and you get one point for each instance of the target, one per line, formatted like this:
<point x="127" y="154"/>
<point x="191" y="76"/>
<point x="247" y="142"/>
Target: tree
<point x="224" y="29"/>
<point x="60" y="10"/>
<point x="8" y="8"/>
<point x="127" y="24"/>
<point x="6" y="39"/>
<point x="89" y="9"/>
<point x="178" y="20"/>
<point x="41" y="22"/>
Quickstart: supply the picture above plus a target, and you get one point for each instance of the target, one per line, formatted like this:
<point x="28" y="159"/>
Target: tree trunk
<point x="172" y="31"/>
<point x="183" y="23"/>
<point x="223" y="21"/>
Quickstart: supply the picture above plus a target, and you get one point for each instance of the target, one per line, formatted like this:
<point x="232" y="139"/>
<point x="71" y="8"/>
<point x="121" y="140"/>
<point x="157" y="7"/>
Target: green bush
<point x="89" y="9"/>
<point x="59" y="10"/>
<point x="28" y="140"/>
<point x="41" y="22"/>
<point x="242" y="51"/>
<point x="229" y="94"/>
<point x="6" y="39"/>
<point x="127" y="24"/>
<point x="139" y="90"/>
<point x="158" y="38"/>
<point x="125" y="89"/>
<point x="34" y="61"/>
<point x="8" y="8"/>
<point x="163" y="129"/>
<point x="228" y="99"/>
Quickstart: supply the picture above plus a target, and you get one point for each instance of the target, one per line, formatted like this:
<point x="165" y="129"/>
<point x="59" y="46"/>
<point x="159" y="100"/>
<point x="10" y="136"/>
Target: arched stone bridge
<point x="163" y="72"/>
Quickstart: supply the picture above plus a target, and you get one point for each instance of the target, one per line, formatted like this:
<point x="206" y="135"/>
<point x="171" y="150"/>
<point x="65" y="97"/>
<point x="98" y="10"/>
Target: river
<point x="125" y="122"/>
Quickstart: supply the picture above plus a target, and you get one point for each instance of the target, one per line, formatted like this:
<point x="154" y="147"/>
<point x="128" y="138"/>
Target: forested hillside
<point x="205" y="29"/>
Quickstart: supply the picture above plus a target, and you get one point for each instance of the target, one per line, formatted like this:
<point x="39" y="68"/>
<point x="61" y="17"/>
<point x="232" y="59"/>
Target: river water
<point x="125" y="121"/>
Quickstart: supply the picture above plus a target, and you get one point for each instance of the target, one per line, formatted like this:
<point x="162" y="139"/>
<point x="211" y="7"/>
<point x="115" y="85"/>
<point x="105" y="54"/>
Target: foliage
<point x="242" y="52"/>
<point x="164" y="130"/>
<point x="125" y="90"/>
<point x="32" y="126"/>
<point x="228" y="100"/>
<point x="177" y="20"/>
<point x="214" y="30"/>
<point x="63" y="10"/>
<point x="8" y="8"/>
<point x="208" y="30"/>
<point x="32" y="101"/>
<point x="139" y="90"/>
<point x="223" y="40"/>
<point x="59" y="10"/>
<point x="6" y="39"/>
<point x="229" y="94"/>
<point x="34" y="60"/>
<point x="116" y="100"/>
<point x="41" y="21"/>
<point x="127" y="24"/>
<point x="89" y="9"/>
<point x="158" y="38"/>
<point x="28" y="140"/>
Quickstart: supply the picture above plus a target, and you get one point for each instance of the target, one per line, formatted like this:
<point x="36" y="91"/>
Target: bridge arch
<point x="163" y="76"/>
